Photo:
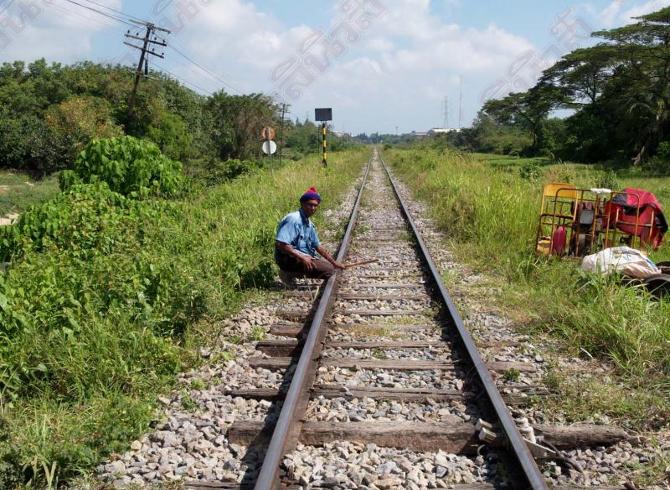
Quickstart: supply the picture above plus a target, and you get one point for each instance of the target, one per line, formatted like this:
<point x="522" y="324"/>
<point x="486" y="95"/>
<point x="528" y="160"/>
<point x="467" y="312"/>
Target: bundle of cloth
<point x="623" y="260"/>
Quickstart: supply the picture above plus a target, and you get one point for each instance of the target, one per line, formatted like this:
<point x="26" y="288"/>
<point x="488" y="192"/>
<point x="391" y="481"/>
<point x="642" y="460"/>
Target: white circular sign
<point x="269" y="147"/>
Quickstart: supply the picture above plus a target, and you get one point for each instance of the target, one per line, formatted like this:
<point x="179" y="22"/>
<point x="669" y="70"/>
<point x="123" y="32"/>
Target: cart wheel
<point x="658" y="285"/>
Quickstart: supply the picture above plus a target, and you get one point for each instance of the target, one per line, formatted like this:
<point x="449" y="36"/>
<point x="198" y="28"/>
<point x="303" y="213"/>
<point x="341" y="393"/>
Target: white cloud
<point x="644" y="8"/>
<point x="610" y="14"/>
<point x="397" y="73"/>
<point x="53" y="29"/>
<point x="621" y="12"/>
<point x="405" y="50"/>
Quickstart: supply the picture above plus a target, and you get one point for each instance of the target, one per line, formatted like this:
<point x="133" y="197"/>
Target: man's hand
<point x="307" y="260"/>
<point x="326" y="255"/>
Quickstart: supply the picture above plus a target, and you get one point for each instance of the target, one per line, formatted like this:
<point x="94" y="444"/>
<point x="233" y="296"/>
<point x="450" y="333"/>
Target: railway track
<point x="382" y="371"/>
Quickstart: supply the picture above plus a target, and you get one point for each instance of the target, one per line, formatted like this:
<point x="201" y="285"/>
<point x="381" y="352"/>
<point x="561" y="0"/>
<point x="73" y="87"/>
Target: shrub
<point x="608" y="180"/>
<point x="81" y="219"/>
<point x="77" y="121"/>
<point x="172" y="135"/>
<point x="218" y="171"/>
<point x="129" y="166"/>
<point x="530" y="170"/>
<point x="659" y="164"/>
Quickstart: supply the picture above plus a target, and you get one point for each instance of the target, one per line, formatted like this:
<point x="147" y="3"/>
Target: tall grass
<point x="97" y="323"/>
<point x="490" y="213"/>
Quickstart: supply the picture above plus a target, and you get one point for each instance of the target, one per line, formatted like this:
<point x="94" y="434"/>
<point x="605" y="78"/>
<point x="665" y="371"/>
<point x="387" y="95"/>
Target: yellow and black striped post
<point x="325" y="145"/>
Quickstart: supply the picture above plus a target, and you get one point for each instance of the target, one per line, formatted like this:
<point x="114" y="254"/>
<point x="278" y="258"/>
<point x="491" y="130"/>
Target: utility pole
<point x="144" y="61"/>
<point x="446" y="113"/>
<point x="281" y="130"/>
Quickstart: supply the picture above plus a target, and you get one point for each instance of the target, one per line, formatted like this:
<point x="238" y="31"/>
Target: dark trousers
<point x="322" y="269"/>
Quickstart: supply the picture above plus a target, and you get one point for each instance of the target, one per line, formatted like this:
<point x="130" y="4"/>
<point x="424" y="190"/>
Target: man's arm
<point x="289" y="250"/>
<point x="326" y="255"/>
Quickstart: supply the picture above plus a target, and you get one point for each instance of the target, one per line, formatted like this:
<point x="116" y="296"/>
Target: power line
<point x="76" y="14"/>
<point x="207" y="92"/>
<point x="206" y="70"/>
<point x="118" y="19"/>
<point x="132" y="18"/>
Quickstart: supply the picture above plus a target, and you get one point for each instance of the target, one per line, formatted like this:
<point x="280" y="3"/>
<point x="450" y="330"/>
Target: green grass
<point x="18" y="191"/>
<point x="489" y="212"/>
<point x="98" y="316"/>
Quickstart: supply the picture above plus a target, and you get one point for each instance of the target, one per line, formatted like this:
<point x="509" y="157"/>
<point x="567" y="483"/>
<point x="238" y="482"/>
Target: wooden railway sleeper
<point x="540" y="449"/>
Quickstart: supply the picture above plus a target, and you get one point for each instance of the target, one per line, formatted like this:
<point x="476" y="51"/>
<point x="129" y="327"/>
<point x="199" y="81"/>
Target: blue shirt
<point x="298" y="231"/>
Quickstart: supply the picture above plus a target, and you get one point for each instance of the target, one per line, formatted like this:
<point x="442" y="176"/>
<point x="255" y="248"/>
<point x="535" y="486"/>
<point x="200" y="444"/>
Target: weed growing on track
<point x="108" y="296"/>
<point x="489" y="211"/>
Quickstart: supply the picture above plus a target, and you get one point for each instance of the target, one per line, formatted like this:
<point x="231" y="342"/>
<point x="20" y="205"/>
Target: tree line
<point x="617" y="95"/>
<point x="50" y="112"/>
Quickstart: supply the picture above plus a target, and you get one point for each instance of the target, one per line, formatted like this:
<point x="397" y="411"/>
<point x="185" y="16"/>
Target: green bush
<point x="172" y="135"/>
<point x="129" y="166"/>
<point x="84" y="218"/>
<point x="218" y="171"/>
<point x="659" y="164"/>
<point x="530" y="170"/>
<point x="76" y="121"/>
<point x="608" y="180"/>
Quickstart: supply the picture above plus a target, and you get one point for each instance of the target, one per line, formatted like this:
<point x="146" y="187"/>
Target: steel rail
<point x="529" y="468"/>
<point x="268" y="476"/>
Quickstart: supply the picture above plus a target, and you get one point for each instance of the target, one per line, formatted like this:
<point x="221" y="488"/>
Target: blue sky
<point x="393" y="70"/>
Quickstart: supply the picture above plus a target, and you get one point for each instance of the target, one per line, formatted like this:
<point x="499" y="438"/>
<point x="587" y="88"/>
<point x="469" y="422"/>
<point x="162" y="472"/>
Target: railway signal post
<point x="323" y="115"/>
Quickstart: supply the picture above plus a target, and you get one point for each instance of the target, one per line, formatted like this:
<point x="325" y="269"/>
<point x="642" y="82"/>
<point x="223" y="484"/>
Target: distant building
<point x="435" y="131"/>
<point x="341" y="134"/>
<point x="418" y="134"/>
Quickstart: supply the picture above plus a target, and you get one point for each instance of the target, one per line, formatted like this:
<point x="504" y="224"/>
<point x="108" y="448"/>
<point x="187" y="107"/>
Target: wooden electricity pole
<point x="281" y="130"/>
<point x="148" y="40"/>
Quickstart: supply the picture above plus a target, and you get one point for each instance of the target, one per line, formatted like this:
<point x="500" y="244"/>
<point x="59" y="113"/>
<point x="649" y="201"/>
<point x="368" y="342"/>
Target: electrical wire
<point x="76" y="14"/>
<point x="183" y="80"/>
<point x="132" y="18"/>
<point x="204" y="69"/>
<point x="118" y="19"/>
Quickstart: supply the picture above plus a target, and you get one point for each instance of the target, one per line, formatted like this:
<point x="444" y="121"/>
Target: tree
<point x="528" y="110"/>
<point x="625" y="81"/>
<point x="238" y="121"/>
<point x="76" y="121"/>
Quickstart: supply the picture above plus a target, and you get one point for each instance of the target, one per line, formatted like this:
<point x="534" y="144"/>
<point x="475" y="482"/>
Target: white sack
<point x="625" y="260"/>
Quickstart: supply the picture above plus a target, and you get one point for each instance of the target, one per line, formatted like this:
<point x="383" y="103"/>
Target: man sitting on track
<point x="297" y="243"/>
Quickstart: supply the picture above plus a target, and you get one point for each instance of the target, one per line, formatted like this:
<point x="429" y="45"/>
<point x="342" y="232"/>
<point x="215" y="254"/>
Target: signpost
<point x="268" y="147"/>
<point x="267" y="133"/>
<point x="323" y="115"/>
